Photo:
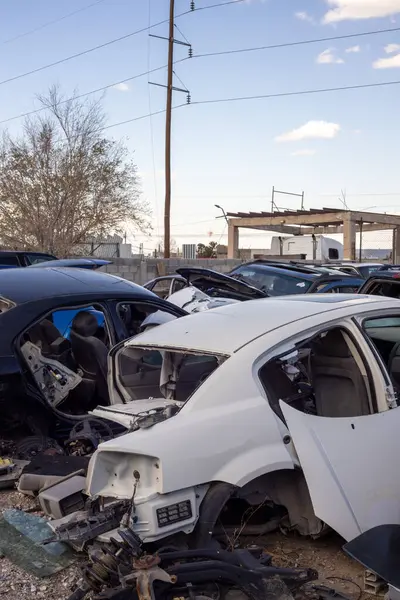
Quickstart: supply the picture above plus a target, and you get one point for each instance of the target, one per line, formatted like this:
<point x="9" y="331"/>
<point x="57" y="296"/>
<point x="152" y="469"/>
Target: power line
<point x="110" y="42"/>
<point x="216" y="5"/>
<point x="53" y="22"/>
<point x="147" y="116"/>
<point x="297" y="93"/>
<point x="258" y="97"/>
<point x="78" y="54"/>
<point x="100" y="89"/>
<point x="298" y="43"/>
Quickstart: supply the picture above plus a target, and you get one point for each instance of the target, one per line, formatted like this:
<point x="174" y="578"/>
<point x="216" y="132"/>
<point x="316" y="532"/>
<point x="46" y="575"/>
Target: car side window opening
<point x="9" y="260"/>
<point x="384" y="332"/>
<point x="136" y="317"/>
<point x="66" y="353"/>
<point x="162" y="288"/>
<point x="348" y="289"/>
<point x="325" y="376"/>
<point x="33" y="259"/>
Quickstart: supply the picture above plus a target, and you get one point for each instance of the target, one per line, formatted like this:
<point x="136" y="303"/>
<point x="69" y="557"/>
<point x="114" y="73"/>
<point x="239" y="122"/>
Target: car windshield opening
<point x="151" y="373"/>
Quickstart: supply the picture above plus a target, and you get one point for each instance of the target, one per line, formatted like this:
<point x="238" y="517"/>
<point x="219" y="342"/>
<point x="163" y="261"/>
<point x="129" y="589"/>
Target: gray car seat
<point x="339" y="386"/>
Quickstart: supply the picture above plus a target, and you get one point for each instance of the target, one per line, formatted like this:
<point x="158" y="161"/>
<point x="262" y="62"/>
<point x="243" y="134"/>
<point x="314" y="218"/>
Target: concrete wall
<point x="141" y="271"/>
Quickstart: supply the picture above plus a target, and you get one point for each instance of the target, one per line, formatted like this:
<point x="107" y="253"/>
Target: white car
<point x="287" y="404"/>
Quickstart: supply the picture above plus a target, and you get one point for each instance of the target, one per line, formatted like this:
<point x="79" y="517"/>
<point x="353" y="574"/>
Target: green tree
<point x="209" y="251"/>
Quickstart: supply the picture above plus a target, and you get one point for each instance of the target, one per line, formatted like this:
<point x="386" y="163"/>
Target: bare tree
<point x="62" y="181"/>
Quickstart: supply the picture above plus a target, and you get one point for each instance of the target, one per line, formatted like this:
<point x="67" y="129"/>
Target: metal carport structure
<point x="313" y="221"/>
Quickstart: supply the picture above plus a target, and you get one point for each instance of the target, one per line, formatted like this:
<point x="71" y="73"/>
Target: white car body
<point x="227" y="431"/>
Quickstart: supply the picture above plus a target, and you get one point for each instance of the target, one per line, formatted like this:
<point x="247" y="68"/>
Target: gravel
<point x="16" y="584"/>
<point x="325" y="555"/>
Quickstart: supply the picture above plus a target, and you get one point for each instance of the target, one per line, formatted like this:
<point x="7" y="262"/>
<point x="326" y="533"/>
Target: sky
<point x="226" y="153"/>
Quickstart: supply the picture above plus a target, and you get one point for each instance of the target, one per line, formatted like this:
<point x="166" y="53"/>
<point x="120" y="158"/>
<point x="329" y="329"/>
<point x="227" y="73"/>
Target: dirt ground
<point x="324" y="555"/>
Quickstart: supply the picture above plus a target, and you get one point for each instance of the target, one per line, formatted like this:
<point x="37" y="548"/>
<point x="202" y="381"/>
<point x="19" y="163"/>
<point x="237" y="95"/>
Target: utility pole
<point x="167" y="207"/>
<point x="168" y="118"/>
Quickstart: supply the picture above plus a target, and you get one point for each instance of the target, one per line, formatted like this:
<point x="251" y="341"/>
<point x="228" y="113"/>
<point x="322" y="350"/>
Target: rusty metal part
<point x="146" y="562"/>
<point x="146" y="572"/>
<point x="144" y="581"/>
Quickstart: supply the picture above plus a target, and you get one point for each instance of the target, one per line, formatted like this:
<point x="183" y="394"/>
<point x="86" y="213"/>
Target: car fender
<point x="234" y="444"/>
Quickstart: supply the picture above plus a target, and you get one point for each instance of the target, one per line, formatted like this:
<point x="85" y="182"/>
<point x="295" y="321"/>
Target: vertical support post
<point x="396" y="246"/>
<point x="272" y="199"/>
<point x="302" y="200"/>
<point x="349" y="238"/>
<point x="361" y="241"/>
<point x="233" y="241"/>
<point x="168" y="119"/>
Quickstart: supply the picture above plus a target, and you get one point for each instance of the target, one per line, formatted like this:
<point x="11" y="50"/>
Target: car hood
<point x="80" y="263"/>
<point x="217" y="284"/>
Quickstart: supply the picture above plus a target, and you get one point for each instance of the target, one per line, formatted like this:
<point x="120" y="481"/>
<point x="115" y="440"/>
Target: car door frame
<point x="351" y="488"/>
<point x="157" y="303"/>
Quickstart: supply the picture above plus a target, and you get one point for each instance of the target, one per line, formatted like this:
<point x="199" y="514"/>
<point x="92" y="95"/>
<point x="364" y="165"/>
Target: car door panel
<point x="351" y="467"/>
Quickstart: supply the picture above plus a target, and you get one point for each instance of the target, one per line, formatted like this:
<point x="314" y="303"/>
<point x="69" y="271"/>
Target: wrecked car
<point x="293" y="413"/>
<point x="211" y="283"/>
<point x="57" y="326"/>
<point x="268" y="278"/>
<point x="11" y="259"/>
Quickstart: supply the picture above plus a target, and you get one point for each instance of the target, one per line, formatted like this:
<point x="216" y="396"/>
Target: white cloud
<point x="327" y="57"/>
<point x="304" y="16"/>
<point x="313" y="130"/>
<point x="391" y="48"/>
<point x="392" y="62"/>
<point x="122" y="87"/>
<point x="304" y="152"/>
<point x="360" y="9"/>
<point x="353" y="49"/>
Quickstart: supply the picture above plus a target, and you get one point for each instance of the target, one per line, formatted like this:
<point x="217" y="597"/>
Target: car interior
<point x="325" y="376"/>
<point x="384" y="332"/>
<point x="67" y="354"/>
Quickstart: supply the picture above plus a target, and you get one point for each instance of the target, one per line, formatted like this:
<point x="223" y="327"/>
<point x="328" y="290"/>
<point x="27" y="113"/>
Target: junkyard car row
<point x="287" y="405"/>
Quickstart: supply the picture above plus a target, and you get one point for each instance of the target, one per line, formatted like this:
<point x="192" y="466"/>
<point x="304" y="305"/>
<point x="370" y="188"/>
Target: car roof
<point x="358" y="264"/>
<point x="29" y="285"/>
<point x="25" y="252"/>
<point x="226" y="329"/>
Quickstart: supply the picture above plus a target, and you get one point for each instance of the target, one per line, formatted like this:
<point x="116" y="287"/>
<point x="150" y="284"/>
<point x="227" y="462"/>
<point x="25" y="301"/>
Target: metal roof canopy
<point x="313" y="221"/>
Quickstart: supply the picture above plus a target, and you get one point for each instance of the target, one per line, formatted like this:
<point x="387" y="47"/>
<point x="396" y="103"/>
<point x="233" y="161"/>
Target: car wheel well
<point x="279" y="499"/>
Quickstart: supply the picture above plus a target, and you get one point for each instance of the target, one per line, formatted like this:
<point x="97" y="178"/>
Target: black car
<point x="51" y="378"/>
<point x="10" y="259"/>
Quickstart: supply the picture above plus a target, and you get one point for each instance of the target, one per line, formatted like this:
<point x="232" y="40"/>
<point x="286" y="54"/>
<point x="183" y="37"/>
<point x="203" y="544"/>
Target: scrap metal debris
<point x="119" y="570"/>
<point x="88" y="525"/>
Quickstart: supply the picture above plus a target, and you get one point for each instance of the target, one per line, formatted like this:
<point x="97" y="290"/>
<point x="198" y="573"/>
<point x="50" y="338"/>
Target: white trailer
<point x="314" y="247"/>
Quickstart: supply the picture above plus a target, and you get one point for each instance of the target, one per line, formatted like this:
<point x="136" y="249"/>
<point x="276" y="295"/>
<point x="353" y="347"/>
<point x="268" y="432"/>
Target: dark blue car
<point x="57" y="326"/>
<point x="283" y="280"/>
